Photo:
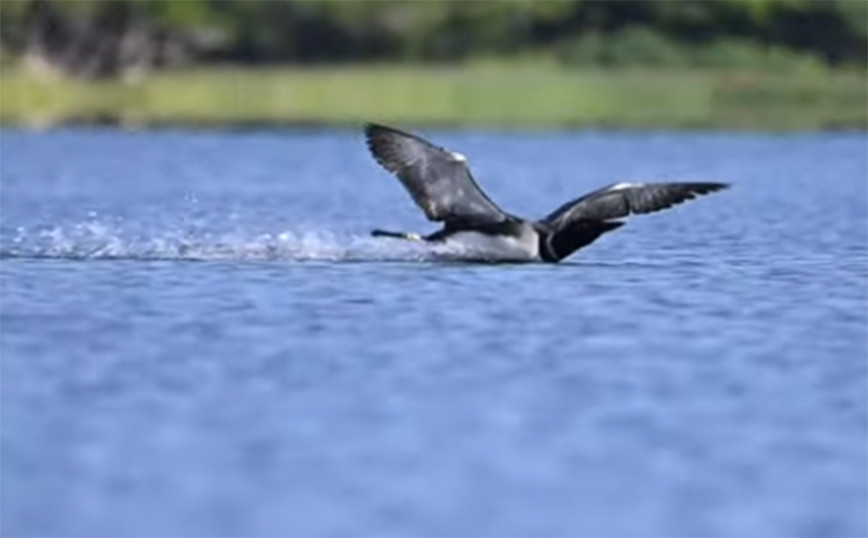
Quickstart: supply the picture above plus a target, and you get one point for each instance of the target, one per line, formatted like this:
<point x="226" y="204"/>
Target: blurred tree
<point x="93" y="38"/>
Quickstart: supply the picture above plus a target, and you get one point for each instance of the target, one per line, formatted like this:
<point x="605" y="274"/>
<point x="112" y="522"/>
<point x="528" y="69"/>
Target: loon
<point x="440" y="182"/>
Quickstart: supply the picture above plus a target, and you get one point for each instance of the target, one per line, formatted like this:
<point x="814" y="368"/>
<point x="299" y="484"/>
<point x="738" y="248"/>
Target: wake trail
<point x="101" y="241"/>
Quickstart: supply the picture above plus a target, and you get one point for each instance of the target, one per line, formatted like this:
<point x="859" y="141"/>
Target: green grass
<point x="479" y="95"/>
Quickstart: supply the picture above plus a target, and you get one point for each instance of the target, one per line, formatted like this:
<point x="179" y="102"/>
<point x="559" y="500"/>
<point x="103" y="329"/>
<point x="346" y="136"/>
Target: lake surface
<point x="199" y="339"/>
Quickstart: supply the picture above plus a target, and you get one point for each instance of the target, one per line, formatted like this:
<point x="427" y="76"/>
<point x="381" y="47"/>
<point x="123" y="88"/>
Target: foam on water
<point x="111" y="240"/>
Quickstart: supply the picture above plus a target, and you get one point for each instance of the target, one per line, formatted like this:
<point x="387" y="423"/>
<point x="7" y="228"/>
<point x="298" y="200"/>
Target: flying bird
<point x="441" y="184"/>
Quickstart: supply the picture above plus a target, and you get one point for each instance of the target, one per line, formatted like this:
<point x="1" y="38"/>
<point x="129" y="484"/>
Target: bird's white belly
<point x="476" y="245"/>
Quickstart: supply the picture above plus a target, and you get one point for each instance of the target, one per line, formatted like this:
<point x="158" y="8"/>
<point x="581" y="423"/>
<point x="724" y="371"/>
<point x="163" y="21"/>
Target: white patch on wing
<point x="458" y="157"/>
<point x="622" y="186"/>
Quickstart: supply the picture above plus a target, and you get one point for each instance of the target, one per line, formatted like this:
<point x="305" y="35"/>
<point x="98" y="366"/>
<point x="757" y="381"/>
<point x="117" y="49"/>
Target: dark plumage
<point x="438" y="180"/>
<point x="441" y="183"/>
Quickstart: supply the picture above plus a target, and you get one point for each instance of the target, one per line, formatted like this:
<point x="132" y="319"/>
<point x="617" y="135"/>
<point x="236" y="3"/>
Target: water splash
<point x="110" y="240"/>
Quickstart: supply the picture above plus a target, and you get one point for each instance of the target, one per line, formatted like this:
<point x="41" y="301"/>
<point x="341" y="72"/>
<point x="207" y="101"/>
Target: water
<point x="198" y="338"/>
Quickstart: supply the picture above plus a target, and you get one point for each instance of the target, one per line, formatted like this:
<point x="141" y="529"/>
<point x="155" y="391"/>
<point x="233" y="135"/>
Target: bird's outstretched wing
<point x="623" y="199"/>
<point x="438" y="180"/>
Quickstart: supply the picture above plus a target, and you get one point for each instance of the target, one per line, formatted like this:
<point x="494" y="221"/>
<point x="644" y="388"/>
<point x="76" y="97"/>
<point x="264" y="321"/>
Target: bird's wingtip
<point x="712" y="186"/>
<point x="372" y="127"/>
<point x="368" y="127"/>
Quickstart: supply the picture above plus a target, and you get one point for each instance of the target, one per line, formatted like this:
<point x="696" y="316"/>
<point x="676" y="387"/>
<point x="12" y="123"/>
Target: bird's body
<point x="520" y="244"/>
<point x="441" y="184"/>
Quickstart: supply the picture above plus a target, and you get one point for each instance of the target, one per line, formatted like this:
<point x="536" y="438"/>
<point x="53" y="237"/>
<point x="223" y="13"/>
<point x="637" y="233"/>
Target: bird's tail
<point x="397" y="235"/>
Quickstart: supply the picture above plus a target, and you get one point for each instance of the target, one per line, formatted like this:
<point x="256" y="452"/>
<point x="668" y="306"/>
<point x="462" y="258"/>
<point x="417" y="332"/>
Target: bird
<point x="442" y="185"/>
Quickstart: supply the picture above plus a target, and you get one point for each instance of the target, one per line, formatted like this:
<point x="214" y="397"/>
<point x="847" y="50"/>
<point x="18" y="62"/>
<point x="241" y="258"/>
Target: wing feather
<point x="439" y="181"/>
<point x="623" y="199"/>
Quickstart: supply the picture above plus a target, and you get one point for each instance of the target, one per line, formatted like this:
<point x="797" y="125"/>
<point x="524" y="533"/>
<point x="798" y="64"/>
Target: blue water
<point x="199" y="339"/>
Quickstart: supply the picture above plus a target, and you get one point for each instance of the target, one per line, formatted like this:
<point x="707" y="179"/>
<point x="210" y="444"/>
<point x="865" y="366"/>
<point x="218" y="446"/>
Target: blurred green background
<point x="756" y="64"/>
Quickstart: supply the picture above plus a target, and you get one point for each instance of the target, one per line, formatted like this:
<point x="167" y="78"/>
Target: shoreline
<point x="290" y="125"/>
<point x="502" y="98"/>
